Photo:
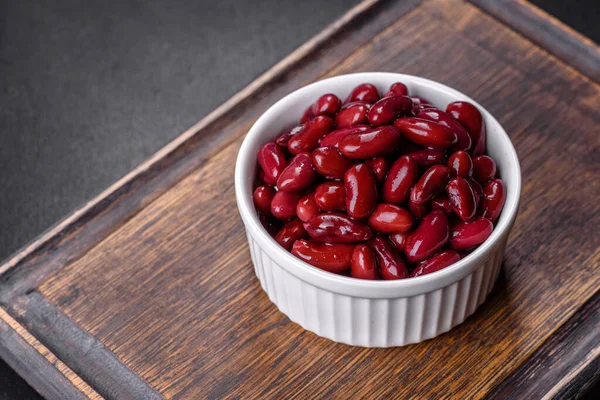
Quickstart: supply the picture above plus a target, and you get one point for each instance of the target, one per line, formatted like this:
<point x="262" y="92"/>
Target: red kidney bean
<point x="494" y="195"/>
<point x="465" y="235"/>
<point x="435" y="263"/>
<point x="441" y="202"/>
<point x="443" y="118"/>
<point x="364" y="263"/>
<point x="270" y="224"/>
<point x="370" y="144"/>
<point x="292" y="231"/>
<point x="307" y="208"/>
<point x="283" y="205"/>
<point x="417" y="108"/>
<point x="261" y="176"/>
<point x="462" y="198"/>
<point x="484" y="169"/>
<point x="418" y="211"/>
<point x="328" y="104"/>
<point x="379" y="165"/>
<point x="262" y="196"/>
<point x="419" y="100"/>
<point x="477" y="189"/>
<point x="426" y="133"/>
<point x="399" y="89"/>
<point x="398" y="239"/>
<point x="329" y="257"/>
<point x="307" y="139"/>
<point x="361" y="191"/>
<point x="469" y="116"/>
<point x="283" y="139"/>
<point x="330" y="163"/>
<point x="337" y="228"/>
<point x="353" y="114"/>
<point x="430" y="236"/>
<point x="386" y="110"/>
<point x="364" y="92"/>
<point x="391" y="265"/>
<point x="428" y="157"/>
<point x="460" y="164"/>
<point x="432" y="182"/>
<point x="272" y="161"/>
<point x="330" y="196"/>
<point x="298" y="175"/>
<point x="388" y="218"/>
<point x="333" y="138"/>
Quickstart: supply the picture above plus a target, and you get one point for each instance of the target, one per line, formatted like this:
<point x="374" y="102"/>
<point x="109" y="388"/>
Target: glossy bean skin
<point x="401" y="178"/>
<point x="494" y="196"/>
<point x="379" y="165"/>
<point x="364" y="263"/>
<point x="307" y="208"/>
<point x="360" y="183"/>
<point x="328" y="104"/>
<point x="329" y="162"/>
<point x="398" y="239"/>
<point x="292" y="231"/>
<point x="462" y="198"/>
<point x="417" y="108"/>
<point x="307" y="139"/>
<point x="419" y="211"/>
<point x="441" y="202"/>
<point x="399" y="89"/>
<point x="435" y="263"/>
<point x="262" y="197"/>
<point x="389" y="218"/>
<point x="299" y="174"/>
<point x="391" y="265"/>
<point x="464" y="141"/>
<point x="484" y="169"/>
<point x="465" y="235"/>
<point x="460" y="164"/>
<point x="386" y="110"/>
<point x="333" y="138"/>
<point x="370" y="144"/>
<point x="426" y="133"/>
<point x="330" y="257"/>
<point x="364" y="92"/>
<point x="428" y="157"/>
<point x="469" y="116"/>
<point x="353" y="114"/>
<point x="284" y="204"/>
<point x="477" y="189"/>
<point x="337" y="228"/>
<point x="330" y="196"/>
<point x="283" y="139"/>
<point x="272" y="162"/>
<point x="430" y="236"/>
<point x="431" y="183"/>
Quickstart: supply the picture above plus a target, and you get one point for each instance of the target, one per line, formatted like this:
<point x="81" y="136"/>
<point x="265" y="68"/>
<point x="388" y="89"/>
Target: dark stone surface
<point x="88" y="90"/>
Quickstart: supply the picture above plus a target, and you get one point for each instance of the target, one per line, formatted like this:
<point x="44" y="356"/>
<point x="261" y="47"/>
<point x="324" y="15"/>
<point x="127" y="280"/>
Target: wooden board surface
<point x="167" y="288"/>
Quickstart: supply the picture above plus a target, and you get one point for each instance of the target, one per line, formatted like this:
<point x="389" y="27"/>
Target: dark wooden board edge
<point x="37" y="370"/>
<point x="549" y="33"/>
<point x="565" y="366"/>
<point x="74" y="236"/>
<point x="80" y="350"/>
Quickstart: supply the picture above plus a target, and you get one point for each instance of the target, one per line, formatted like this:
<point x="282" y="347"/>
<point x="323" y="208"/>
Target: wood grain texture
<point x="32" y="360"/>
<point x="566" y="366"/>
<point x="68" y="240"/>
<point x="562" y="41"/>
<point x="171" y="292"/>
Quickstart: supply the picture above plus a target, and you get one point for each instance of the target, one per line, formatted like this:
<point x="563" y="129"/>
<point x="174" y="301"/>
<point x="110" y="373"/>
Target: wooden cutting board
<point x="148" y="290"/>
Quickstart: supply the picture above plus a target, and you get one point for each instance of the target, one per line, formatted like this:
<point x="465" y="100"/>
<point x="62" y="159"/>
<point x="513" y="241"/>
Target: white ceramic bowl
<point x="373" y="313"/>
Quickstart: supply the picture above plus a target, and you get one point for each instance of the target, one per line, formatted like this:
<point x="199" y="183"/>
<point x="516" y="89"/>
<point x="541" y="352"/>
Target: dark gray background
<point x="88" y="90"/>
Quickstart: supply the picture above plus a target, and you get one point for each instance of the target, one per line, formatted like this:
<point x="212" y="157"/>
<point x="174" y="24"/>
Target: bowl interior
<point x="286" y="113"/>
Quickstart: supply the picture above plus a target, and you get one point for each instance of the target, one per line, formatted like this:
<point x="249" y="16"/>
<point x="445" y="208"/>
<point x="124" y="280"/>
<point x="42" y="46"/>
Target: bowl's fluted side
<point x="375" y="322"/>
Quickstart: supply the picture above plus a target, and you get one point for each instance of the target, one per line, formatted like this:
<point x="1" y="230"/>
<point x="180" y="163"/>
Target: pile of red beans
<point x="380" y="187"/>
